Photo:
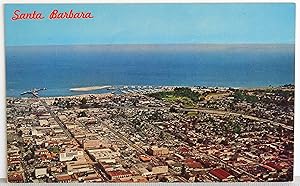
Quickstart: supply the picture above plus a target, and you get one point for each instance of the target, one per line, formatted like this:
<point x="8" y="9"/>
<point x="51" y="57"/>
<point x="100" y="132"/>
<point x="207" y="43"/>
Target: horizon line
<point x="145" y="44"/>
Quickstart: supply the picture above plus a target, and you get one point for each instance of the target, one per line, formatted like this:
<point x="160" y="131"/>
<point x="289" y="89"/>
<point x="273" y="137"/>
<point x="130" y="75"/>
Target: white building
<point x="40" y="172"/>
<point x="68" y="156"/>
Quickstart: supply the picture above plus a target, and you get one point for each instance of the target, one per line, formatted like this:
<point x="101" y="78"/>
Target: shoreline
<point x="162" y="88"/>
<point x="68" y="96"/>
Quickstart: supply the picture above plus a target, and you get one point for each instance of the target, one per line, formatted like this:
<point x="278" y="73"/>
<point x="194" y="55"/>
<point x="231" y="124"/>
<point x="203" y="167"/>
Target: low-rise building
<point x="157" y="169"/>
<point x="68" y="156"/>
<point x="118" y="174"/>
<point x="40" y="172"/>
<point x="158" y="151"/>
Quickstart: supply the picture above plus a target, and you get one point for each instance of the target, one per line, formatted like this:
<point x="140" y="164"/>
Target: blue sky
<point x="154" y="24"/>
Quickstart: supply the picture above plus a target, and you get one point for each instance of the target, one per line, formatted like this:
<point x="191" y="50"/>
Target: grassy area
<point x="192" y="113"/>
<point x="215" y="96"/>
<point x="185" y="96"/>
<point x="280" y="92"/>
<point x="244" y="97"/>
<point x="54" y="149"/>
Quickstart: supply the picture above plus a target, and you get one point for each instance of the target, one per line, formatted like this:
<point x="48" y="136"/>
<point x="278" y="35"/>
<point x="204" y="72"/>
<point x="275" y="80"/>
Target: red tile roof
<point x="220" y="173"/>
<point x="194" y="165"/>
<point x="63" y="177"/>
<point x="267" y="167"/>
<point x="118" y="173"/>
<point x="15" y="177"/>
<point x="274" y="165"/>
<point x="189" y="160"/>
<point x="145" y="158"/>
<point x="183" y="149"/>
<point x="191" y="163"/>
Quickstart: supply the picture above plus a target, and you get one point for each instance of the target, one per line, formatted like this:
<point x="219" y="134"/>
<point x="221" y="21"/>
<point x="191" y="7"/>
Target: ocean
<point x="59" y="68"/>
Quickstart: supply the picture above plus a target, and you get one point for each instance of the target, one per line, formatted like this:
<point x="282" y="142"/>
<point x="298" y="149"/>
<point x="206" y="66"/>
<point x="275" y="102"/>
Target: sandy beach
<point x="84" y="89"/>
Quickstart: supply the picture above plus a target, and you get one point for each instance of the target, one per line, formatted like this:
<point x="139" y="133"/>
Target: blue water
<point x="60" y="68"/>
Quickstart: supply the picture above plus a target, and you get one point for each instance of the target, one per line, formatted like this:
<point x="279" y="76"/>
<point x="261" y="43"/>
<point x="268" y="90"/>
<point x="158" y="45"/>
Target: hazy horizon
<point x="163" y="44"/>
<point x="160" y="23"/>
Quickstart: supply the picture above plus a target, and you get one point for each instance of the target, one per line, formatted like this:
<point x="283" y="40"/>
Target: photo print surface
<point x="150" y="92"/>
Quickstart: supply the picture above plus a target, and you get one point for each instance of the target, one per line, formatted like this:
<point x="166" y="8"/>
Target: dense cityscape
<point x="155" y="134"/>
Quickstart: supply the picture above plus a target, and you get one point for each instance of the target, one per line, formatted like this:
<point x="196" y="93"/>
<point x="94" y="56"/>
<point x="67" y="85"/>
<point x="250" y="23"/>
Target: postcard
<point x="190" y="92"/>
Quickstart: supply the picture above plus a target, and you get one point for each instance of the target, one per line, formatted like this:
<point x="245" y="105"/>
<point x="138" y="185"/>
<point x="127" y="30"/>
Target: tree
<point x="183" y="170"/>
<point x="173" y="109"/>
<point x="237" y="129"/>
<point x="83" y="101"/>
<point x="161" y="135"/>
<point x="82" y="114"/>
<point x="20" y="133"/>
